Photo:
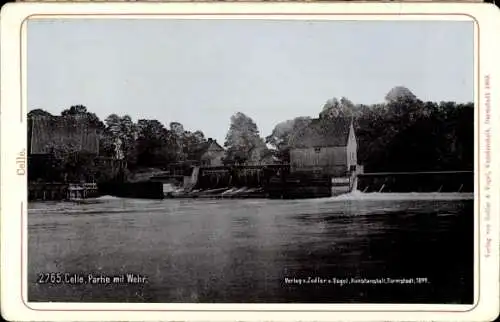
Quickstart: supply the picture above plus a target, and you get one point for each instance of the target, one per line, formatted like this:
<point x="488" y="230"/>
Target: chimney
<point x="210" y="140"/>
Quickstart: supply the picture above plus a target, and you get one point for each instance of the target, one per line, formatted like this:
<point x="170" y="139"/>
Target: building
<point x="325" y="146"/>
<point x="49" y="135"/>
<point x="212" y="153"/>
<point x="53" y="140"/>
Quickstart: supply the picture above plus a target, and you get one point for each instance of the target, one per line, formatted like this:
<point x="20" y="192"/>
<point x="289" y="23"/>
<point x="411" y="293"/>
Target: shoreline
<point x="408" y="196"/>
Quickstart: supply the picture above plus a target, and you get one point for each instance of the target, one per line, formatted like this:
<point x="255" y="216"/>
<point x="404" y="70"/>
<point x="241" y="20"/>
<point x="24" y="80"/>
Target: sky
<point x="200" y="72"/>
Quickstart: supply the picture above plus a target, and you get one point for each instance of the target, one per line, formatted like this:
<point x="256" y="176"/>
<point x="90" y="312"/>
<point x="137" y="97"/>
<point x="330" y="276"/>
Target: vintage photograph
<point x="250" y="161"/>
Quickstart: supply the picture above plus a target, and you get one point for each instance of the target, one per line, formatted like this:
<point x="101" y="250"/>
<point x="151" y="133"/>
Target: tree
<point x="178" y="133"/>
<point x="258" y="152"/>
<point x="154" y="144"/>
<point x="194" y="145"/>
<point x="282" y="132"/>
<point x="198" y="135"/>
<point x="75" y="110"/>
<point x="38" y="112"/>
<point x="119" y="138"/>
<point x="81" y="111"/>
<point x="177" y="128"/>
<point x="243" y="138"/>
<point x="400" y="93"/>
<point x="80" y="167"/>
<point x="406" y="134"/>
<point x="339" y="108"/>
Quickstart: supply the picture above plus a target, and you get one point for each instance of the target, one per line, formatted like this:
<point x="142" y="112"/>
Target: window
<point x="317" y="150"/>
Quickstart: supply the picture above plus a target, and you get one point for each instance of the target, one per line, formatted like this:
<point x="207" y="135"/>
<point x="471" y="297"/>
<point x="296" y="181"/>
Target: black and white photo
<point x="253" y="160"/>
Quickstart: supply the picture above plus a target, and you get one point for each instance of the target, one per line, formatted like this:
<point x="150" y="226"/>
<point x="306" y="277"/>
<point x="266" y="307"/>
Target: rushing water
<point x="243" y="250"/>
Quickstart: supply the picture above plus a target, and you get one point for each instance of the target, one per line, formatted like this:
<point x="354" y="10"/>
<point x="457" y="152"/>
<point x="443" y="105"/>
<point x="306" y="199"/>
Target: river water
<point x="255" y="250"/>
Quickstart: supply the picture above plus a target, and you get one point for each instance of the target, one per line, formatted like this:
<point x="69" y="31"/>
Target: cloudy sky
<point x="199" y="72"/>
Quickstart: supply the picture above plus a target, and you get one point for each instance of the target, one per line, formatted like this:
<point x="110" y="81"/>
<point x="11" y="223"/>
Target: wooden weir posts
<point x="237" y="176"/>
<point x="425" y="181"/>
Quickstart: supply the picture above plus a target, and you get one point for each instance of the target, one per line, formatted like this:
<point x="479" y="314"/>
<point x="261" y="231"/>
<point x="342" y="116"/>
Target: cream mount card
<point x="249" y="161"/>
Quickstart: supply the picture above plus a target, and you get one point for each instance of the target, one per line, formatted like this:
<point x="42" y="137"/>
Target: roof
<point x="206" y="148"/>
<point x="215" y="147"/>
<point x="58" y="131"/>
<point x="323" y="133"/>
<point x="211" y="146"/>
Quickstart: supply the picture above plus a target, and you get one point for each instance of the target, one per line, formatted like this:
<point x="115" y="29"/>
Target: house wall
<point x="352" y="148"/>
<point x="327" y="160"/>
<point x="213" y="158"/>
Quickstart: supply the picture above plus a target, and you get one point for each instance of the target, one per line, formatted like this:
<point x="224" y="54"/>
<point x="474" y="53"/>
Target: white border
<point x="13" y="138"/>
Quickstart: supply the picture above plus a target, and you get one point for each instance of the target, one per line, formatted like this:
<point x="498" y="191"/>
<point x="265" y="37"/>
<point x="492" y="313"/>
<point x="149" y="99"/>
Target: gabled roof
<point x="61" y="131"/>
<point x="323" y="133"/>
<point x="211" y="146"/>
<point x="214" y="146"/>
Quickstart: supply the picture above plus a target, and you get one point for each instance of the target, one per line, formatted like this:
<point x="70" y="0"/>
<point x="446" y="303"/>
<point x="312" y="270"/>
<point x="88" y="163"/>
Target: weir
<point x="238" y="176"/>
<point x="429" y="181"/>
<point x="276" y="181"/>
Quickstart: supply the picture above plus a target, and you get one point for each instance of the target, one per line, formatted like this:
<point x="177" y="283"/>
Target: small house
<point x="325" y="146"/>
<point x="213" y="154"/>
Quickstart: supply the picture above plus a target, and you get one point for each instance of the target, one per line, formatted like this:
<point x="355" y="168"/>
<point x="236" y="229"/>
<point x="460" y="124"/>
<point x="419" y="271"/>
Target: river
<point x="255" y="251"/>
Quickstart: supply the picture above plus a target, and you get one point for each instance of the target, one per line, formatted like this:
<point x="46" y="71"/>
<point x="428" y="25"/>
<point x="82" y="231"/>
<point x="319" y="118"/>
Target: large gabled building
<point x="326" y="146"/>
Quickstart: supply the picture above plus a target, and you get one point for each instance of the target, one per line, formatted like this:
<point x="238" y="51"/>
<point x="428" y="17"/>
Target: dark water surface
<point x="242" y="250"/>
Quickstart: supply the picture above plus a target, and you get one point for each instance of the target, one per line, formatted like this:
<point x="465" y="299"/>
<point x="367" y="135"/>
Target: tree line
<point x="401" y="134"/>
<point x="146" y="143"/>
